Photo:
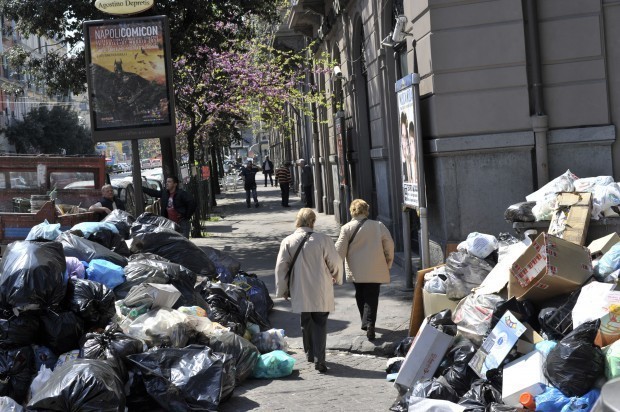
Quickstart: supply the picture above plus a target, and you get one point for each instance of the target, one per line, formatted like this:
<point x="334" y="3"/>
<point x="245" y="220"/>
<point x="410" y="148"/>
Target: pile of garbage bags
<point x="524" y="322"/>
<point x="127" y="313"/>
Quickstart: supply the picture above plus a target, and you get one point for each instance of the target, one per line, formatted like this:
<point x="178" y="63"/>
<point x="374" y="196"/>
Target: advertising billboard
<point x="129" y="78"/>
<point x="408" y="143"/>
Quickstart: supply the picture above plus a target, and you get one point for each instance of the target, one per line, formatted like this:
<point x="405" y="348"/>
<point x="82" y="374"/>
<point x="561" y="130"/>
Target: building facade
<point x="513" y="93"/>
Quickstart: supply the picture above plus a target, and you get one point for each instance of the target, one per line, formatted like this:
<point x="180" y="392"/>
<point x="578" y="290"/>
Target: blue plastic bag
<point x="88" y="228"/>
<point x="105" y="272"/>
<point x="45" y="231"/>
<point x="609" y="262"/>
<point x="276" y="364"/>
<point x="552" y="400"/>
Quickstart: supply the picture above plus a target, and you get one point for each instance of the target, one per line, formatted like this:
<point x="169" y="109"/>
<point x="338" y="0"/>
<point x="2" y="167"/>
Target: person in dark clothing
<point x="268" y="170"/>
<point x="283" y="178"/>
<point x="107" y="203"/>
<point x="249" y="177"/>
<point x="307" y="181"/>
<point x="176" y="204"/>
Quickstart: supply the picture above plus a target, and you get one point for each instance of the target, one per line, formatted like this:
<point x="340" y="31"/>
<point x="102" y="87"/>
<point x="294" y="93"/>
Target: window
<point x="23" y="180"/>
<point x="72" y="180"/>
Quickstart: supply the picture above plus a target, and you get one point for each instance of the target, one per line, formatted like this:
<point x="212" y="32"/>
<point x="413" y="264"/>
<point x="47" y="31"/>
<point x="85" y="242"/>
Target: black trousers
<point x="270" y="174"/>
<point x="308" y="195"/>
<point x="314" y="332"/>
<point x="367" y="298"/>
<point x="285" y="189"/>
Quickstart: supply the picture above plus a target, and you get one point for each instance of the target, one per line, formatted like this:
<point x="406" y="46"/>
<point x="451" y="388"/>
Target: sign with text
<point x="123" y="7"/>
<point x="408" y="143"/>
<point x="129" y="78"/>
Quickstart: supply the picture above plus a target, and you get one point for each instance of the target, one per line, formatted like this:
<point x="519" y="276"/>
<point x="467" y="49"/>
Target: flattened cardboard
<point x="572" y="217"/>
<point x="602" y="245"/>
<point x="549" y="267"/>
<point x="424" y="356"/>
<point x="417" y="306"/>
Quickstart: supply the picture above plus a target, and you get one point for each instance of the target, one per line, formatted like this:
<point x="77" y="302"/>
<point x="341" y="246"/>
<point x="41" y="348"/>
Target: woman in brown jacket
<point x="368" y="250"/>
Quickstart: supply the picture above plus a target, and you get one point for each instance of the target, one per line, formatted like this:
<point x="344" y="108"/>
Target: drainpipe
<point x="540" y="123"/>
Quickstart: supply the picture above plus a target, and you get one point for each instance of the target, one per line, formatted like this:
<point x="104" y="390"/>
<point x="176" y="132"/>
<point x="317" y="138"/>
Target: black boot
<point x="370" y="332"/>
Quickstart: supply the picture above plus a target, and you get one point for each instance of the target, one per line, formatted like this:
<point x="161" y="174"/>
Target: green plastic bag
<point x="612" y="360"/>
<point x="276" y="364"/>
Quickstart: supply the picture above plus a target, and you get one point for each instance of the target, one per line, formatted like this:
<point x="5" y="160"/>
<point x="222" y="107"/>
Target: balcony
<point x="306" y="16"/>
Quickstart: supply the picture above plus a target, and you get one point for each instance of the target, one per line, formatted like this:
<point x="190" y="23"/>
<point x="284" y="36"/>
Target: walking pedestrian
<point x="307" y="267"/>
<point x="307" y="181"/>
<point x="107" y="203"/>
<point x="368" y="251"/>
<point x="268" y="170"/>
<point x="175" y="204"/>
<point x="249" y="182"/>
<point x="283" y="178"/>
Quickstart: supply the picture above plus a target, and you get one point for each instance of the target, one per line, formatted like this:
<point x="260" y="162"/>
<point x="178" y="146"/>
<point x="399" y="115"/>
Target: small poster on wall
<point x="408" y="143"/>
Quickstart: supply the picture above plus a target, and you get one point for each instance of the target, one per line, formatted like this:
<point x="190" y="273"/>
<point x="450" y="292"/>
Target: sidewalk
<point x="253" y="237"/>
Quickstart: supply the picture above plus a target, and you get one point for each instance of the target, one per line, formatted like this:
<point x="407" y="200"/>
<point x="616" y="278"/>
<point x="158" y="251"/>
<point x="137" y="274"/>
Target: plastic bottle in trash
<point x="527" y="400"/>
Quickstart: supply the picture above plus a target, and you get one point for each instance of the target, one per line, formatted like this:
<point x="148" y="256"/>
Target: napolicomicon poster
<point x="408" y="143"/>
<point x="129" y="78"/>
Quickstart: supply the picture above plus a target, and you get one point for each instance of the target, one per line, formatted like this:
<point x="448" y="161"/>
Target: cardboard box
<point x="436" y="302"/>
<point x="571" y="218"/>
<point x="549" y="267"/>
<point x="500" y="341"/>
<point x="602" y="245"/>
<point x="417" y="306"/>
<point x="424" y="356"/>
<point x="523" y="375"/>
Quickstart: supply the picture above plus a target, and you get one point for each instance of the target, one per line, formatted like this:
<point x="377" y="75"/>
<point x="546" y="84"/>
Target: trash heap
<point x="128" y="313"/>
<point x="529" y="321"/>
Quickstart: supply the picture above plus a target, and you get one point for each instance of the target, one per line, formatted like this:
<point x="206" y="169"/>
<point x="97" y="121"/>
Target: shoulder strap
<point x="290" y="269"/>
<point x="357" y="230"/>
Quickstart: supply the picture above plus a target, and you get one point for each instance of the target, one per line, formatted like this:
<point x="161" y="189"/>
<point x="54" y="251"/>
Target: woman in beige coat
<point x="368" y="250"/>
<point x="311" y="285"/>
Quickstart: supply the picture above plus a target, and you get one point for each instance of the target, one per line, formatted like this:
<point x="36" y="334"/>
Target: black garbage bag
<point x="122" y="220"/>
<point x="43" y="356"/>
<point x="442" y="321"/>
<point x="176" y="248"/>
<point x="92" y="301"/>
<point x="113" y="241"/>
<point x="556" y="315"/>
<point x="18" y="331"/>
<point x="32" y="275"/>
<point x="257" y="293"/>
<point x="187" y="379"/>
<point x="87" y="250"/>
<point x="151" y="219"/>
<point x="464" y="272"/>
<point x="225" y="310"/>
<point x="480" y="396"/>
<point x="81" y="385"/>
<point x="520" y="212"/>
<point x="523" y="310"/>
<point x="498" y="407"/>
<point x="454" y="367"/>
<point x="394" y="365"/>
<point x="138" y="272"/>
<point x="16" y="372"/>
<point x="225" y="265"/>
<point x="403" y="346"/>
<point x="435" y="388"/>
<point x="138" y="399"/>
<point x="61" y="332"/>
<point x="575" y="363"/>
<point x="112" y="345"/>
<point x="243" y="352"/>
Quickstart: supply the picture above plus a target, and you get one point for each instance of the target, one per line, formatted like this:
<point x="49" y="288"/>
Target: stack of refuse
<point x="127" y="313"/>
<point x="520" y="323"/>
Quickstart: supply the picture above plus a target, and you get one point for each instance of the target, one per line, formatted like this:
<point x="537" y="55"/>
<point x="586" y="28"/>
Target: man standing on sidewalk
<point x="283" y="178"/>
<point x="249" y="178"/>
<point x="268" y="170"/>
<point x="307" y="180"/>
<point x="176" y="204"/>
